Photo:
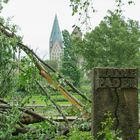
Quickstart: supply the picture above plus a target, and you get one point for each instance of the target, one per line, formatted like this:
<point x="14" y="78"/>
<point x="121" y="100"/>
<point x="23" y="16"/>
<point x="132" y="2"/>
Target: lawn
<point x="40" y="100"/>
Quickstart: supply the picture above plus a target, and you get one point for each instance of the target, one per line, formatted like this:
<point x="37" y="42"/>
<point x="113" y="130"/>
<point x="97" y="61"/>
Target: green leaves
<point x="27" y="76"/>
<point x="9" y="121"/>
<point x="107" y="131"/>
<point x="114" y="43"/>
<point x="69" y="66"/>
<point x="1" y="3"/>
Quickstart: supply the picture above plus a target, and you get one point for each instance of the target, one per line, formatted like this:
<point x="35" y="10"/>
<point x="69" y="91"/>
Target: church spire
<point x="56" y="33"/>
<point x="56" y="42"/>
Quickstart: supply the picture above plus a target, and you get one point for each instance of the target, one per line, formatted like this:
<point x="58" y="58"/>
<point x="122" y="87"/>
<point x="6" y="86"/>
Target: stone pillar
<point x="115" y="90"/>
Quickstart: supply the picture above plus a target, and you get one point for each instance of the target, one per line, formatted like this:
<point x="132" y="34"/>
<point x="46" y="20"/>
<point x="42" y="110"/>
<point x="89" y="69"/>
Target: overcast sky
<point x="35" y="18"/>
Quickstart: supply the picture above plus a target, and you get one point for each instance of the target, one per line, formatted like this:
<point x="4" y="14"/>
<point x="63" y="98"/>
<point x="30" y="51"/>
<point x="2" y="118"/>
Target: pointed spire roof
<point x="56" y="33"/>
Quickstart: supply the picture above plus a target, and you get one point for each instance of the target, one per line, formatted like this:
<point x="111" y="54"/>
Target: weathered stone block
<point x="115" y="90"/>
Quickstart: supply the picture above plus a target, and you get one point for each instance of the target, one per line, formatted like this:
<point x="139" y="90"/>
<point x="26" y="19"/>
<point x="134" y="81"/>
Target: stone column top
<point x="109" y="72"/>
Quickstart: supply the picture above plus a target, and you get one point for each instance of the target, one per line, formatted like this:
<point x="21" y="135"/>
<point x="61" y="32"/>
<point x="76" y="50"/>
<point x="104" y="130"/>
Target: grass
<point x="40" y="100"/>
<point x="37" y="102"/>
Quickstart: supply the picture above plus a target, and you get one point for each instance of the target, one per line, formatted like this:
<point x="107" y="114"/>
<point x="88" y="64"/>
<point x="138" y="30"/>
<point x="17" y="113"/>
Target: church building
<point x="56" y="41"/>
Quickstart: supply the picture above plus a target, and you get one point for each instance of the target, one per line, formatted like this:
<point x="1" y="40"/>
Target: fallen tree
<point x="32" y="117"/>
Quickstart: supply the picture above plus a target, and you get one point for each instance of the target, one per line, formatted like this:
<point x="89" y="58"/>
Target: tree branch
<point x="58" y="109"/>
<point x="28" y="50"/>
<point x="35" y="117"/>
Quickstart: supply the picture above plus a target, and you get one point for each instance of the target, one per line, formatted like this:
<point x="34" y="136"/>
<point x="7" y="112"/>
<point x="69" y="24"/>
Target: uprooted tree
<point x="19" y="80"/>
<point x="11" y="74"/>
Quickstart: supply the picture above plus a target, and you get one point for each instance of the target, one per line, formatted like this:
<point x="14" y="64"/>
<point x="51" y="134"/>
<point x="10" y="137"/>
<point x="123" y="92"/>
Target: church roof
<point x="56" y="33"/>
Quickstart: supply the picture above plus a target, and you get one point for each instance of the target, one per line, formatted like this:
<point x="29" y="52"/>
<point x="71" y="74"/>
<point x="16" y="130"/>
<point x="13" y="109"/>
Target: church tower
<point x="56" y="41"/>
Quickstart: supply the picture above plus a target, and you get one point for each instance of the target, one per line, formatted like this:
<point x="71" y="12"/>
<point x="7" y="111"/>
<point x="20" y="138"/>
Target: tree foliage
<point x="69" y="63"/>
<point x="2" y="2"/>
<point x="17" y="86"/>
<point x="83" y="6"/>
<point x="7" y="63"/>
<point x="114" y="43"/>
<point x="85" y="9"/>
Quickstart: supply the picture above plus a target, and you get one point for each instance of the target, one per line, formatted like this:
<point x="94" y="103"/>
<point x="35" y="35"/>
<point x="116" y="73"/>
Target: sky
<point x="35" y="18"/>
